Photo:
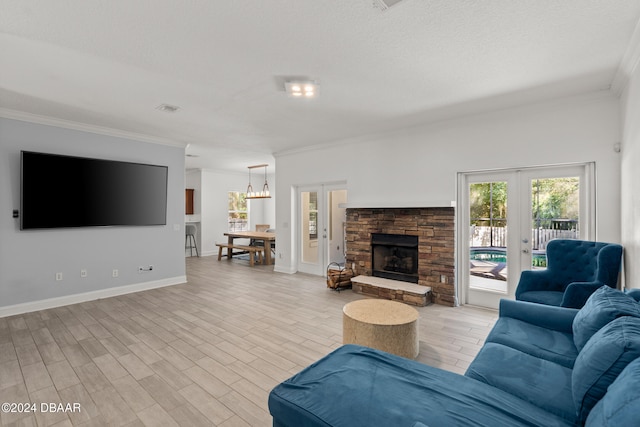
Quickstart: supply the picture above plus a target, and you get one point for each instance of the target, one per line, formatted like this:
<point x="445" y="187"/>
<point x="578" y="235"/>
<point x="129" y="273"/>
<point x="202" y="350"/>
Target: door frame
<point x="323" y="222"/>
<point x="519" y="197"/>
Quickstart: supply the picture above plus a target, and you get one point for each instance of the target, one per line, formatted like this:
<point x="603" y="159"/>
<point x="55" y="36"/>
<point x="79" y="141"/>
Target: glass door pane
<point x="309" y="226"/>
<point x="555" y="214"/>
<point x="488" y="236"/>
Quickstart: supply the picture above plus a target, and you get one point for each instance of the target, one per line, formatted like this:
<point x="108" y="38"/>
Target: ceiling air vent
<point x="167" y="108"/>
<point x="385" y="4"/>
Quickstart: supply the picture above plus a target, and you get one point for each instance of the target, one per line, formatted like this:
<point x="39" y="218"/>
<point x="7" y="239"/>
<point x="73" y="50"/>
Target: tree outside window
<point x="555" y="207"/>
<point x="488" y="213"/>
<point x="238" y="212"/>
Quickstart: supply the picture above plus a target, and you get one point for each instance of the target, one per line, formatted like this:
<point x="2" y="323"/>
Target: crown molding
<point x="628" y="64"/>
<point x="83" y="127"/>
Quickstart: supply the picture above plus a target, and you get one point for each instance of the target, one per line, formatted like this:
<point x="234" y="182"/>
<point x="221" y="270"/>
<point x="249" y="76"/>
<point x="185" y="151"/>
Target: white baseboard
<point x="284" y="269"/>
<point x="28" y="307"/>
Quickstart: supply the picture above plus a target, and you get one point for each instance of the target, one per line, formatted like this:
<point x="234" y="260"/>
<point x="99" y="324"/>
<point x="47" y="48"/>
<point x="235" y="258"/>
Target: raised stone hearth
<point x="394" y="290"/>
<point x="436" y="244"/>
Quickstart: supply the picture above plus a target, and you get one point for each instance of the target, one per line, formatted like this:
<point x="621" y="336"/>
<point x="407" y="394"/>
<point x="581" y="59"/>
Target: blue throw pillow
<point x="603" y="306"/>
<point x="619" y="407"/>
<point x="601" y="360"/>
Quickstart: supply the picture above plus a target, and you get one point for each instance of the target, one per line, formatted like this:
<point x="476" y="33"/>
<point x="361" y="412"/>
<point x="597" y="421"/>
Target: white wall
<point x="418" y="165"/>
<point x="630" y="170"/>
<point x="29" y="260"/>
<point x="212" y="189"/>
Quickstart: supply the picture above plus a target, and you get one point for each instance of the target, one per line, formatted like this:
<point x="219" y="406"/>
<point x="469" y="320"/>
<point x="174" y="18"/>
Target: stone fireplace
<point x="434" y="230"/>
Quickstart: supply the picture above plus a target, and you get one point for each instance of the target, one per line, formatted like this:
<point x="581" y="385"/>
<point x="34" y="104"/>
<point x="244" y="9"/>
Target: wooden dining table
<point x="265" y="236"/>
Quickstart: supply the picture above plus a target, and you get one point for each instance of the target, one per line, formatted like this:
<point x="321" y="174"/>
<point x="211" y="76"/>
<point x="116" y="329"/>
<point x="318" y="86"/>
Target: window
<point x="313" y="215"/>
<point x="488" y="214"/>
<point x="238" y="212"/>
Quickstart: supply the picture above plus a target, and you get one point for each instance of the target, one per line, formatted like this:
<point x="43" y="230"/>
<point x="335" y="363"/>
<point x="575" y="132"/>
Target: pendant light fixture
<point x="264" y="194"/>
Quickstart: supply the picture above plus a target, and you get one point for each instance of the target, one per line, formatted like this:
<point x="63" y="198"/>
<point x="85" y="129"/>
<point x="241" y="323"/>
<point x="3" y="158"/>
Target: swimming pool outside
<point x="498" y="255"/>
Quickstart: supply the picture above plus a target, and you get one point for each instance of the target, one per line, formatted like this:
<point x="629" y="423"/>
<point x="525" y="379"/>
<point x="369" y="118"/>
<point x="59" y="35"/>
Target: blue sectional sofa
<point x="540" y="366"/>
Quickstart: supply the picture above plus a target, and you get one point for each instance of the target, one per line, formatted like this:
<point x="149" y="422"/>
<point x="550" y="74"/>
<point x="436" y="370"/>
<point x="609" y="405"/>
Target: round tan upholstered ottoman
<point x="382" y="324"/>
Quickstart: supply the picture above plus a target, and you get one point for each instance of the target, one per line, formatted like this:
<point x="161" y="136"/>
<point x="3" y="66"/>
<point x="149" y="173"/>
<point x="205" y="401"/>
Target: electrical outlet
<point x="58" y="277"/>
<point x="83" y="273"/>
<point x="115" y="273"/>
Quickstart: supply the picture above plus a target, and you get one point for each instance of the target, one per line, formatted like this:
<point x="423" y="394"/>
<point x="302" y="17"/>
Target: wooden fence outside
<point x="496" y="237"/>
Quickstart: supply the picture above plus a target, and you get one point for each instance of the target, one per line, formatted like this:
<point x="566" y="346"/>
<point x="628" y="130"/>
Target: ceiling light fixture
<point x="264" y="194"/>
<point x="302" y="89"/>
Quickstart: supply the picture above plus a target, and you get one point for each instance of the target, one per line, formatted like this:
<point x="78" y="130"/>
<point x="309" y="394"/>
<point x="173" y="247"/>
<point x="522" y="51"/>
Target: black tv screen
<point x="64" y="191"/>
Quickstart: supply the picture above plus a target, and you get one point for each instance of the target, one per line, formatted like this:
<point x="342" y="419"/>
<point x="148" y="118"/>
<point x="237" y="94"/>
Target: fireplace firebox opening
<point x="395" y="256"/>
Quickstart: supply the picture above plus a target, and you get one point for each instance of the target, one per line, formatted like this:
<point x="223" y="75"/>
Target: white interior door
<point x="337" y="217"/>
<point x="507" y="217"/>
<point x="320" y="231"/>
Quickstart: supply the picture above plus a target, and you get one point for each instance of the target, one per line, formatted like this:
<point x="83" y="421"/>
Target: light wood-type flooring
<point x="206" y="352"/>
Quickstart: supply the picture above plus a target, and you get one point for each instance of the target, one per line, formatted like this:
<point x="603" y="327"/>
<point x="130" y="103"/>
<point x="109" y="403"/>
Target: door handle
<point x="525" y="251"/>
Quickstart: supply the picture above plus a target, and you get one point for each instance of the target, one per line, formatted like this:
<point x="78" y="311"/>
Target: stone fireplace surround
<point x="434" y="227"/>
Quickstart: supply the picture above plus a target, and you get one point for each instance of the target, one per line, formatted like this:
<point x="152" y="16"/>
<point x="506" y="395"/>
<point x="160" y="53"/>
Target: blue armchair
<point x="575" y="269"/>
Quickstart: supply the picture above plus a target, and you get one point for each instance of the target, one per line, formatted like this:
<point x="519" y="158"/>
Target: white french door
<point x="320" y="230"/>
<point x="506" y="219"/>
<point x="486" y="248"/>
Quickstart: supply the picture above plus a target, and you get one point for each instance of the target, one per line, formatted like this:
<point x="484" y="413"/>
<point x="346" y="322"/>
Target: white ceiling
<point x="109" y="64"/>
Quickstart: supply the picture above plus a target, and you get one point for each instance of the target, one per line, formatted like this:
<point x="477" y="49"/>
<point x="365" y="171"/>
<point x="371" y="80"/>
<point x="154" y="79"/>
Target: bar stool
<point x="190" y="239"/>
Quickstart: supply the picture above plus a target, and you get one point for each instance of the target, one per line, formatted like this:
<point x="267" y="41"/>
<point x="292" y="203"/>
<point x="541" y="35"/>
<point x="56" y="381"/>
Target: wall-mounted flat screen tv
<point x="65" y="191"/>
